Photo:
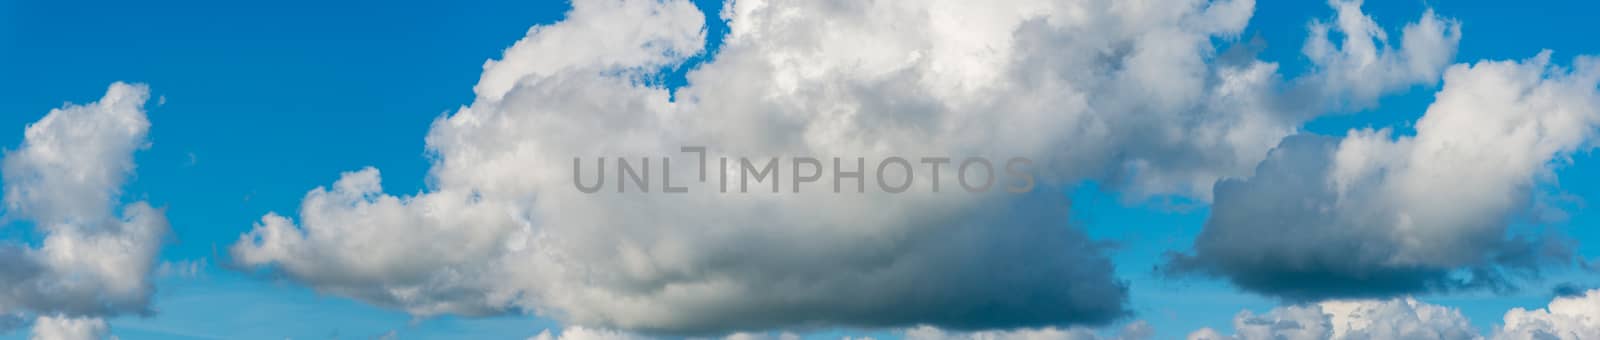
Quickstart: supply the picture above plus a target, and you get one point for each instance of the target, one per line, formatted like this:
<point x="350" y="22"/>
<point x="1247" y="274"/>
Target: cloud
<point x="94" y="259"/>
<point x="763" y="336"/>
<point x="581" y="333"/>
<point x="1126" y="93"/>
<point x="68" y="328"/>
<point x="1132" y="331"/>
<point x="187" y="269"/>
<point x="1374" y="214"/>
<point x="1363" y="66"/>
<point x="72" y="162"/>
<point x="1566" y="318"/>
<point x="390" y="335"/>
<point x="1349" y="320"/>
<point x="1136" y="330"/>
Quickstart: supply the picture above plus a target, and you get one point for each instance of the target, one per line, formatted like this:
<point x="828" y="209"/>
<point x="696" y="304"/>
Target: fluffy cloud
<point x="1348" y="320"/>
<point x="1130" y="93"/>
<point x="1133" y="331"/>
<point x="1363" y="66"/>
<point x="68" y="328"/>
<point x="1374" y="214"/>
<point x="1566" y="318"/>
<point x="581" y="333"/>
<point x="94" y="259"/>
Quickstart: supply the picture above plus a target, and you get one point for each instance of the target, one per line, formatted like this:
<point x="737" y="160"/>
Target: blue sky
<point x="262" y="101"/>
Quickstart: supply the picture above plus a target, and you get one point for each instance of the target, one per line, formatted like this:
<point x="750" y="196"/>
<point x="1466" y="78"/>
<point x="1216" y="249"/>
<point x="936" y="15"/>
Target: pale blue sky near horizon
<point x="263" y="101"/>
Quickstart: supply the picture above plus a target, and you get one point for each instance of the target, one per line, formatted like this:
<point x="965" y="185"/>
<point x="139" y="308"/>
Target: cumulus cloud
<point x="94" y="259"/>
<point x="68" y="328"/>
<point x="1128" y="93"/>
<point x="1363" y="66"/>
<point x="1348" y="320"/>
<point x="1136" y="330"/>
<point x="1566" y="318"/>
<point x="582" y="333"/>
<point x="1374" y="214"/>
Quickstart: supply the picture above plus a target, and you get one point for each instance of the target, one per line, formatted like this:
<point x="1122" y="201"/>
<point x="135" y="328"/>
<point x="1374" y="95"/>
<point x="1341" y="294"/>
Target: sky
<point x="254" y="106"/>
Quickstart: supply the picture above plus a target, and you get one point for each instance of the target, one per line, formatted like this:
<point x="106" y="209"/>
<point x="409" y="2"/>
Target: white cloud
<point x="613" y="35"/>
<point x="73" y="161"/>
<point x="1125" y="92"/>
<point x="1136" y="330"/>
<point x="763" y="336"/>
<point x="1348" y="320"/>
<point x="1363" y="66"/>
<point x="1376" y="214"/>
<point x="1206" y="333"/>
<point x="390" y="335"/>
<point x="581" y="333"/>
<point x="183" y="269"/>
<point x="1566" y="318"/>
<point x="68" y="328"/>
<point x="931" y="333"/>
<point x="66" y="177"/>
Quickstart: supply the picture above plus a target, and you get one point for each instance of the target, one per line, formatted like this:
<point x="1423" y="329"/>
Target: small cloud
<point x="187" y="269"/>
<point x="390" y="335"/>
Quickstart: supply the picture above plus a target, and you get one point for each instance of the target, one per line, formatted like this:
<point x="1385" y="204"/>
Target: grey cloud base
<point x="1377" y="215"/>
<point x="1273" y="234"/>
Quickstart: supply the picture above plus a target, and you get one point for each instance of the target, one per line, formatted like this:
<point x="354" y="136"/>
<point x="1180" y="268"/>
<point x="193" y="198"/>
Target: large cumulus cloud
<point x="94" y="259"/>
<point x="1375" y="214"/>
<point x="1130" y="93"/>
